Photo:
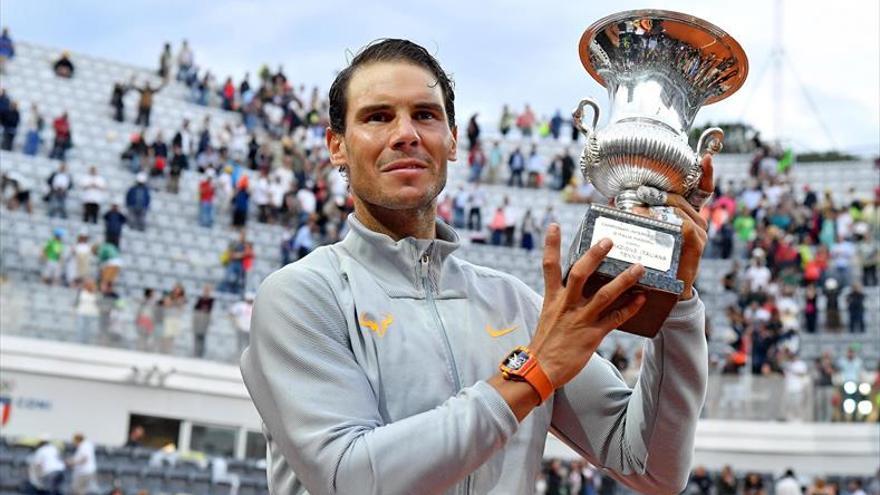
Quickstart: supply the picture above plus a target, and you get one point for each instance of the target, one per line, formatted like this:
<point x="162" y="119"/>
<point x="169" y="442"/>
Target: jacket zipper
<point x="429" y="295"/>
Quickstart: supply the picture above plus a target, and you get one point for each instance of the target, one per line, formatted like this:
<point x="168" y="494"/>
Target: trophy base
<point x="637" y="239"/>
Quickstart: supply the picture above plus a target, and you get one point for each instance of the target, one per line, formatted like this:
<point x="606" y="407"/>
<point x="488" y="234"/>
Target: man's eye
<point x="378" y="117"/>
<point x="425" y="115"/>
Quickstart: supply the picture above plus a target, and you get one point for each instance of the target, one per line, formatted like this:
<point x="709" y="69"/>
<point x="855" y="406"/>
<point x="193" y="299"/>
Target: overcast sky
<point x="499" y="52"/>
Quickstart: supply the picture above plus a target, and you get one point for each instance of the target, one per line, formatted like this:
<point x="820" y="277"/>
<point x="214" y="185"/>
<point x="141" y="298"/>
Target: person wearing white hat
<point x="137" y="200"/>
<point x="45" y="468"/>
<point x="84" y="467"/>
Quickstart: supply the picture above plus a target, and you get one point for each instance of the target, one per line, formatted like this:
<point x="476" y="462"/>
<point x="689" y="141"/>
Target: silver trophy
<point x="659" y="68"/>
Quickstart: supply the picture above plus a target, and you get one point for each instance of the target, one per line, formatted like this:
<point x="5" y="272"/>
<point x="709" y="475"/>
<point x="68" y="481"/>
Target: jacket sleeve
<point x="321" y="412"/>
<point x="644" y="436"/>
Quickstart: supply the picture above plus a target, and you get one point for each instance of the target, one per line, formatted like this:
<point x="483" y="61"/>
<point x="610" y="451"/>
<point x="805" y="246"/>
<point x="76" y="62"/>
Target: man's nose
<point x="405" y="134"/>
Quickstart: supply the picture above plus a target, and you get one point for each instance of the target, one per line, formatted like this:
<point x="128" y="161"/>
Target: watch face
<point x="516" y="360"/>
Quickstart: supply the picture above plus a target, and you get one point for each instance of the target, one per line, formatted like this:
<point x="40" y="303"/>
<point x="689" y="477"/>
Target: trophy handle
<point x="713" y="137"/>
<point x="578" y="115"/>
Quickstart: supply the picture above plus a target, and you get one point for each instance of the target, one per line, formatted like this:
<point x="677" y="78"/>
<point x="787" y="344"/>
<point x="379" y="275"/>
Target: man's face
<point x="397" y="139"/>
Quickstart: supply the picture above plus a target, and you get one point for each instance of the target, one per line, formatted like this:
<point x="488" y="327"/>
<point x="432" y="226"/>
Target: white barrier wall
<point x="61" y="388"/>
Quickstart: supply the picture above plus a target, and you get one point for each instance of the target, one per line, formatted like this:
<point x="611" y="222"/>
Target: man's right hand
<point x="572" y="326"/>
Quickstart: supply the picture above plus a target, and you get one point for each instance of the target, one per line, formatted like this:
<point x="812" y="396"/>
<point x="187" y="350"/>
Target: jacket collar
<point x="405" y="268"/>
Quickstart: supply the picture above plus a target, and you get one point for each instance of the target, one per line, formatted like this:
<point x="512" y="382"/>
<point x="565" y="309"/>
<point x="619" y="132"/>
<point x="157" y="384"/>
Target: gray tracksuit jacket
<point x="368" y="361"/>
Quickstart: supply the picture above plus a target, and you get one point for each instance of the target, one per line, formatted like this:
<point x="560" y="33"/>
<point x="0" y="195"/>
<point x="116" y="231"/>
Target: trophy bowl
<point x="659" y="68"/>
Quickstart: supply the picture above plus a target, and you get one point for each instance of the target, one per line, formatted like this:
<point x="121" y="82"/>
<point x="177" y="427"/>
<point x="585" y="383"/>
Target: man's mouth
<point x="404" y="164"/>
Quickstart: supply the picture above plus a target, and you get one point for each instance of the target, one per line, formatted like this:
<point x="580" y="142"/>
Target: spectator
<point x="535" y="166"/>
<point x="114" y="220"/>
<point x="496" y="158"/>
<point x="820" y="487"/>
<point x="45" y="469"/>
<point x="476" y="162"/>
<point x="854" y="487"/>
<point x="9" y="120"/>
<point x="109" y="263"/>
<point x="525" y="122"/>
<point x="143" y="321"/>
<point x="497" y="226"/>
<point x="145" y="102"/>
<point x="700" y="482"/>
<point x="63" y="66"/>
<point x="234" y="280"/>
<point x="240" y="312"/>
<point x="60" y="183"/>
<point x="185" y="61"/>
<point x="304" y="241"/>
<point x="473" y="132"/>
<point x="797" y="378"/>
<point x="851" y="366"/>
<point x="81" y="262"/>
<point x="7" y="49"/>
<point x="93" y="186"/>
<point x="855" y="304"/>
<point x="21" y="186"/>
<point x="727" y="483"/>
<point x="206" y="199"/>
<point x="517" y="163"/>
<point x="174" y="308"/>
<point x="811" y="308"/>
<point x="527" y="228"/>
<point x="51" y="257"/>
<point x="832" y="305"/>
<point x="506" y="121"/>
<point x="136" y="437"/>
<point x="261" y="196"/>
<point x="753" y="484"/>
<point x="476" y="201"/>
<point x="33" y="139"/>
<point x="459" y="207"/>
<point x="788" y="484"/>
<point x="117" y="101"/>
<point x="84" y="466"/>
<point x="201" y="320"/>
<point x="179" y="163"/>
<point x="556" y="125"/>
<point x="165" y="62"/>
<point x="137" y="200"/>
<point x="63" y="137"/>
<point x="240" y="203"/>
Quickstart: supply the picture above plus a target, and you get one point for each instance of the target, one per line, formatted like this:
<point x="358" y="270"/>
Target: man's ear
<point x="453" y="150"/>
<point x="336" y="147"/>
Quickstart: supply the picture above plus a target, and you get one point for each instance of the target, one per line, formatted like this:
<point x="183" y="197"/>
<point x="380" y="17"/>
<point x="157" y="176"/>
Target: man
<point x="45" y="469"/>
<point x="145" y="102"/>
<point x="84" y="468"/>
<point x="9" y="120"/>
<point x="114" y="220"/>
<point x="788" y="484"/>
<point x="60" y="183"/>
<point x="241" y="312"/>
<point x="137" y="200"/>
<point x="374" y="362"/>
<point x="93" y="186"/>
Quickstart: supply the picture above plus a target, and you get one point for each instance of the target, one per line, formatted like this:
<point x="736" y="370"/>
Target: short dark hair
<point x="388" y="50"/>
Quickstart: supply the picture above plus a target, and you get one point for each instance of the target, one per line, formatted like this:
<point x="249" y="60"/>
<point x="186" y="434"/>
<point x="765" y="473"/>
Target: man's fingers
<point x="618" y="316"/>
<point x="552" y="270"/>
<point x="583" y="268"/>
<point x="707" y="180"/>
<point x="706" y="186"/>
<point x="611" y="292"/>
<point x="687" y="209"/>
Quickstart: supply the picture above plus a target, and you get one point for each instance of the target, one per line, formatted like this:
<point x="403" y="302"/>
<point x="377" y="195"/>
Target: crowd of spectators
<point x="578" y="477"/>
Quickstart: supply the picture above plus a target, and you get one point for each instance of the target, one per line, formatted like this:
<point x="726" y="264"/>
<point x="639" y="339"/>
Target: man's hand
<point x="694" y="227"/>
<point x="572" y="326"/>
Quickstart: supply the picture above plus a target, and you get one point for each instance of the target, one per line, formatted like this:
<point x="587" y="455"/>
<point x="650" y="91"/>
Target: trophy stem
<point x="627" y="200"/>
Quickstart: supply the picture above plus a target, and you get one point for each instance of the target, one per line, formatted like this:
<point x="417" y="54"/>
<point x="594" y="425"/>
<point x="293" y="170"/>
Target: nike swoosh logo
<point x="502" y="331"/>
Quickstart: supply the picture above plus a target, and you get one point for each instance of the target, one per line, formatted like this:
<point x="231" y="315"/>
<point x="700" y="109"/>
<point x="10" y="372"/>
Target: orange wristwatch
<point x="522" y="366"/>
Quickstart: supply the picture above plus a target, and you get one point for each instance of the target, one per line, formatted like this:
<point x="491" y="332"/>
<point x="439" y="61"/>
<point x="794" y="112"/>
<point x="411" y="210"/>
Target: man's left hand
<point x="693" y="227"/>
